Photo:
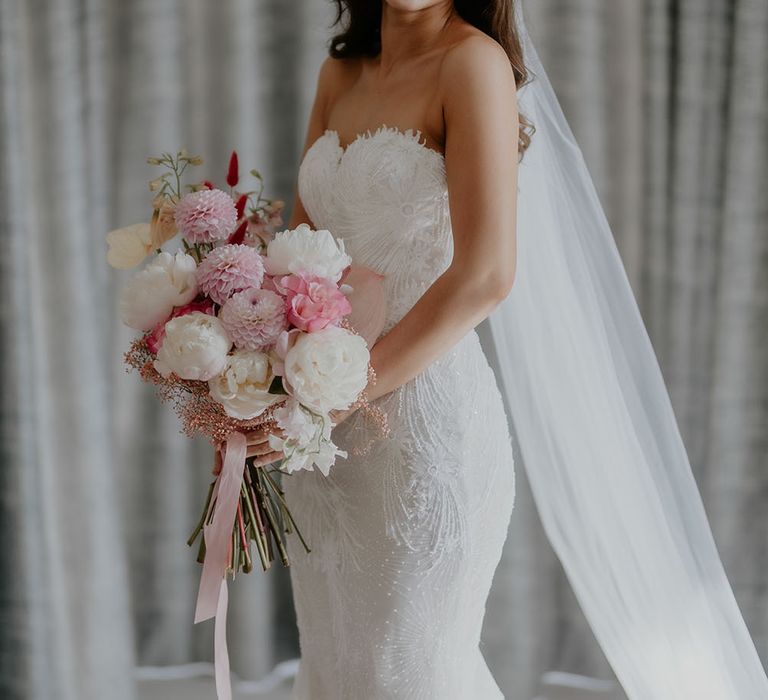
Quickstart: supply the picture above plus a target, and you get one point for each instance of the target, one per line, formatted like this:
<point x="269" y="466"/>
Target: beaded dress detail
<point x="405" y="539"/>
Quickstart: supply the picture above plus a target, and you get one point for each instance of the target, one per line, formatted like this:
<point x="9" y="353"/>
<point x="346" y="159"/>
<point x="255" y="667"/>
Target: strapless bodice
<point x="386" y="196"/>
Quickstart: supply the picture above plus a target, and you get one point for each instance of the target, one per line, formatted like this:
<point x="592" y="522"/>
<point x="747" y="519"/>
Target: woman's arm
<point x="480" y="111"/>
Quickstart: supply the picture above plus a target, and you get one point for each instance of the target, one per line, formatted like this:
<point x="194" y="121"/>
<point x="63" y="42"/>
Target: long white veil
<point x="600" y="442"/>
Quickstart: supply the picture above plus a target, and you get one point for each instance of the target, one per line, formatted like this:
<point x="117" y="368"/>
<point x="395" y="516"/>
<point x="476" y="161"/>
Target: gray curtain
<point x="99" y="490"/>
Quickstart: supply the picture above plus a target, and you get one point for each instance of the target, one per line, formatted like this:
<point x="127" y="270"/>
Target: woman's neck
<point x="406" y="34"/>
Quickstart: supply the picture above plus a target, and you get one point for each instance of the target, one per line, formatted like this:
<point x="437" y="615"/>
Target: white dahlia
<point x="304" y="250"/>
<point x="195" y="346"/>
<point x="327" y="369"/>
<point x="149" y="297"/>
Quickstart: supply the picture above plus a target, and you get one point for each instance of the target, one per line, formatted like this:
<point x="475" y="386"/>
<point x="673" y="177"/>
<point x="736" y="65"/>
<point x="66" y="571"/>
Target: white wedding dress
<point x="405" y="539"/>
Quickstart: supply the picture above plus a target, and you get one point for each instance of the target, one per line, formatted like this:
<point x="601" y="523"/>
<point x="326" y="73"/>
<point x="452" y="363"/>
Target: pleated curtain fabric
<point x="99" y="490"/>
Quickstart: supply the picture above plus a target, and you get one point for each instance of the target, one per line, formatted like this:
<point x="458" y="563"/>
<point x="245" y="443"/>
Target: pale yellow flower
<point x="128" y="246"/>
<point x="163" y="225"/>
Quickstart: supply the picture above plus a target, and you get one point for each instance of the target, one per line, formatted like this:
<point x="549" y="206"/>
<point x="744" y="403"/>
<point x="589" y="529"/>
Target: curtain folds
<point x="99" y="490"/>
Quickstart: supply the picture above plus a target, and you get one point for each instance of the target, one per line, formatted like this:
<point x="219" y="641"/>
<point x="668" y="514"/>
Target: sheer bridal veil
<point x="599" y="440"/>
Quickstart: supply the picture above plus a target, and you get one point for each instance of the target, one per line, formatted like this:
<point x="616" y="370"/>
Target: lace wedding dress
<point x="405" y="539"/>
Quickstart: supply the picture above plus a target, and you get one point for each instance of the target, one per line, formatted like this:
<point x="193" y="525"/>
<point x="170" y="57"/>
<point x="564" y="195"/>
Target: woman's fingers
<point x="258" y="450"/>
<point x="261" y="435"/>
<point x="268" y="458"/>
<point x="254" y="437"/>
<point x="262" y="453"/>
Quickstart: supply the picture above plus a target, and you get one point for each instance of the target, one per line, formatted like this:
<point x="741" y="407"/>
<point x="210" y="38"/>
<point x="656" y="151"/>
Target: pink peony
<point x="314" y="302"/>
<point x="228" y="269"/>
<point x="155" y="338"/>
<point x="206" y="216"/>
<point x="254" y="318"/>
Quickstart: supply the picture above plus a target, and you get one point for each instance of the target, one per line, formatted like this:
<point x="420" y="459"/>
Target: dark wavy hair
<point x="360" y="22"/>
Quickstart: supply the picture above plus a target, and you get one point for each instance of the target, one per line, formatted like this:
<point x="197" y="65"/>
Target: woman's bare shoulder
<point x="336" y="75"/>
<point x="478" y="66"/>
<point x="474" y="52"/>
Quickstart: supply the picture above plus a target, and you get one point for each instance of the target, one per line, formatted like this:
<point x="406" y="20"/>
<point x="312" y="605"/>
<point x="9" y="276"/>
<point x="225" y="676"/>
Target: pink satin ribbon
<point x="212" y="593"/>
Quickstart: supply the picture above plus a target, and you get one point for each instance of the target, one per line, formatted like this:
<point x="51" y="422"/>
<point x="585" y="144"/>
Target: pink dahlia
<point x="254" y="318"/>
<point x="206" y="216"/>
<point x="314" y="302"/>
<point x="228" y="269"/>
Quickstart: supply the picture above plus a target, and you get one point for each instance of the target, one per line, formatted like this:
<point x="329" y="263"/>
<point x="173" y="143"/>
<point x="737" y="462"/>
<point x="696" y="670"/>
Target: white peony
<point x="195" y="346"/>
<point x="302" y="249"/>
<point x="242" y="388"/>
<point x="149" y="297"/>
<point x="128" y="246"/>
<point x="307" y="439"/>
<point x="327" y="369"/>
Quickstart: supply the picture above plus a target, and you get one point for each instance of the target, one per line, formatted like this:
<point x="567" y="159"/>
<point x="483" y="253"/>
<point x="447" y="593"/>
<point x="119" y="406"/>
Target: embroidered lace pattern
<point x="406" y="538"/>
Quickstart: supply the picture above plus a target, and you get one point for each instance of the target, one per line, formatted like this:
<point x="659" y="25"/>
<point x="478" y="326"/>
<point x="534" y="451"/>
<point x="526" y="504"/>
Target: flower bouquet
<point x="245" y="328"/>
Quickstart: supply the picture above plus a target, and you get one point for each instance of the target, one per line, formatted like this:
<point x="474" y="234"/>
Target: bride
<point x="418" y="156"/>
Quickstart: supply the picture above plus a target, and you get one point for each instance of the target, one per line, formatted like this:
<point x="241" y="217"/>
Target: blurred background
<point x="99" y="489"/>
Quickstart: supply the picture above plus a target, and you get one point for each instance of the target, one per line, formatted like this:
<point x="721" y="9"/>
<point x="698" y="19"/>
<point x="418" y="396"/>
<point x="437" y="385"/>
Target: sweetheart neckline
<point x="411" y="134"/>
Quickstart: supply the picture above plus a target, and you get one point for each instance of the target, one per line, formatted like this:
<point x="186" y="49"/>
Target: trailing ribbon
<point x="212" y="593"/>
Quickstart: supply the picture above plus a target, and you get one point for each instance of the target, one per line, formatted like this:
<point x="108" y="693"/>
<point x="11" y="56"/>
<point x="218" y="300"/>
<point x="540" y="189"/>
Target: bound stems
<point x="262" y="515"/>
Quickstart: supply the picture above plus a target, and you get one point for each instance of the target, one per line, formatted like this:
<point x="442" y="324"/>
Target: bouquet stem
<point x="255" y="526"/>
<point x="290" y="523"/>
<point x="262" y="515"/>
<point x="274" y="527"/>
<point x="200" y="524"/>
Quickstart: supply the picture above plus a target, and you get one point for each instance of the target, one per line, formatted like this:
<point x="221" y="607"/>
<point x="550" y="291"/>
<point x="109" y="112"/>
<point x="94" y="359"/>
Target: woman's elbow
<point x="493" y="288"/>
<point x="486" y="286"/>
<point x="501" y="283"/>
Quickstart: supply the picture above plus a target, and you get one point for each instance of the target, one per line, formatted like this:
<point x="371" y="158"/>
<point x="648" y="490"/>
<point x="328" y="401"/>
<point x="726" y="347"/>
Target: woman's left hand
<point x="257" y="442"/>
<point x="338" y="416"/>
<point x="257" y="446"/>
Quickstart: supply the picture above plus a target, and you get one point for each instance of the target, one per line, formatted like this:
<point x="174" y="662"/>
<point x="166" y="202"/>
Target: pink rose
<point x="314" y="302"/>
<point x="155" y="338"/>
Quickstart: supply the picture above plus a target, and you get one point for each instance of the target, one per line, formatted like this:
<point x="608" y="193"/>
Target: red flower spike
<point x="232" y="174"/>
<point x="209" y="184"/>
<point x="239" y="235"/>
<point x="240" y="205"/>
